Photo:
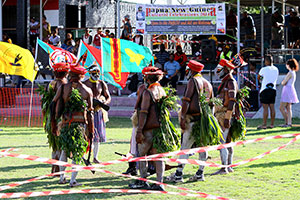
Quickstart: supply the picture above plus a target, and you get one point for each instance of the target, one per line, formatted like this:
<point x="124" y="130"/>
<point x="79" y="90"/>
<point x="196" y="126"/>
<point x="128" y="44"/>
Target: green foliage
<point x="75" y="103"/>
<point x="238" y="127"/>
<point x="47" y="97"/>
<point x="207" y="131"/>
<point x="73" y="141"/>
<point x="166" y="137"/>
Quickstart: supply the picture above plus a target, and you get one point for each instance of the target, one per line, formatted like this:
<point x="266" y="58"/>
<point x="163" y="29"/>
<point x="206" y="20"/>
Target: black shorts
<point x="268" y="96"/>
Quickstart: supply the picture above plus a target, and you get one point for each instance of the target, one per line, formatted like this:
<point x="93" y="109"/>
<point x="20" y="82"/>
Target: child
<point x="289" y="94"/>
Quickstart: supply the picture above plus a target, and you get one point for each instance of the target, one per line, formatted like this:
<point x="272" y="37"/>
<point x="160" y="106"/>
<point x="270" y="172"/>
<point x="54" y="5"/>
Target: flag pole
<point x="30" y="105"/>
<point x="102" y="59"/>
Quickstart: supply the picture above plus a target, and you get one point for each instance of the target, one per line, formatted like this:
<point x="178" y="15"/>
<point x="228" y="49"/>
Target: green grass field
<point x="276" y="176"/>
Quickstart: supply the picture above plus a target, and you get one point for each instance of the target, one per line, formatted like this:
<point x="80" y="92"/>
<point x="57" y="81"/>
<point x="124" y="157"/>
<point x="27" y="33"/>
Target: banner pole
<point x="30" y="105"/>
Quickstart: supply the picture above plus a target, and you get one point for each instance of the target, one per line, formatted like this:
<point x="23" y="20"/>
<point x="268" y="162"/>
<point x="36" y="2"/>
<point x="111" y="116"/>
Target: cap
<point x="226" y="63"/>
<point x="77" y="69"/>
<point x="152" y="71"/>
<point x="195" y="66"/>
<point x="61" y="67"/>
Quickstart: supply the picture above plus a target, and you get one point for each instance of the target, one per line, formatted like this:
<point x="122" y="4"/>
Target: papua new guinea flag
<point x="121" y="57"/>
<point x="93" y="57"/>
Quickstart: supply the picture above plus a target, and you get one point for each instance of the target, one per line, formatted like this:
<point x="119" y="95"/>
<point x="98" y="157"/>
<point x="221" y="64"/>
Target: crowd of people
<point x="76" y="119"/>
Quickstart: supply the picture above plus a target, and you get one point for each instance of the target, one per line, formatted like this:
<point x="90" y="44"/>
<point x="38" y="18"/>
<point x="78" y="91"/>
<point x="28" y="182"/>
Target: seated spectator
<point x="139" y="39"/>
<point x="171" y="69"/>
<point x="162" y="55"/>
<point x="277" y="22"/>
<point x="55" y="38"/>
<point x="5" y="38"/>
<point x="111" y="35"/>
<point x="157" y="64"/>
<point x="69" y="43"/>
<point x="107" y="32"/>
<point x="181" y="58"/>
<point x="249" y="25"/>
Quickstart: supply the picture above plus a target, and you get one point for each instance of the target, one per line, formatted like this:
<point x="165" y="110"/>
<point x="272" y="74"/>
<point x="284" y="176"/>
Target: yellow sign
<point x="15" y="60"/>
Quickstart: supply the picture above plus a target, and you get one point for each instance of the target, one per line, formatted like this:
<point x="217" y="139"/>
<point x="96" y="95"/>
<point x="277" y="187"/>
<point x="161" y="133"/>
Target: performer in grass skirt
<point x="60" y="72"/>
<point x="77" y="119"/>
<point x="155" y="132"/>
<point x="229" y="114"/>
<point x="198" y="125"/>
<point x="101" y="93"/>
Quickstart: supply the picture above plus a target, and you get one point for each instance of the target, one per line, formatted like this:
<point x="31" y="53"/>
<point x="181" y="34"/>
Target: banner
<point x="15" y="60"/>
<point x="204" y="19"/>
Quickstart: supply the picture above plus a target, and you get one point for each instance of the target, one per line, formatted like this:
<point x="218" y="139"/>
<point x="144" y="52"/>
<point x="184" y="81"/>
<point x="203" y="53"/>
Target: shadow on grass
<point x="269" y="131"/>
<point x="274" y="164"/>
<point x="19" y="147"/>
<point x="10" y="168"/>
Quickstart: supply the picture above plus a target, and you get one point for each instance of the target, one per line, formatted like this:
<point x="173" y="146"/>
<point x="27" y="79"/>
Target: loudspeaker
<point x="208" y="48"/>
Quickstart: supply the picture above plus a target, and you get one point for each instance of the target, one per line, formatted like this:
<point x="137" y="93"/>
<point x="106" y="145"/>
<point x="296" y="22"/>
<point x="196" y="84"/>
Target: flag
<point x="121" y="57"/>
<point x="93" y="57"/>
<point x="15" y="60"/>
<point x="237" y="60"/>
<point x="46" y="55"/>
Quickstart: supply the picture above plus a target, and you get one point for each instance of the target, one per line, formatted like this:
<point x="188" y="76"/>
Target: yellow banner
<point x="15" y="60"/>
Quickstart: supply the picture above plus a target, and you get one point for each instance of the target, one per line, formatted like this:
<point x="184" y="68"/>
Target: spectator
<point x="69" y="43"/>
<point x="111" y="35"/>
<point x="289" y="94"/>
<point x="5" y="38"/>
<point x="127" y="29"/>
<point x="226" y="53"/>
<point x="97" y="38"/>
<point x="171" y="68"/>
<point x="295" y="24"/>
<point x="269" y="76"/>
<point x="162" y="55"/>
<point x="157" y="64"/>
<point x="87" y="38"/>
<point x="249" y="25"/>
<point x="55" y="38"/>
<point x="181" y="58"/>
<point x="46" y="29"/>
<point x="231" y="23"/>
<point x="76" y="47"/>
<point x="139" y="39"/>
<point x="287" y="25"/>
<point x="277" y="22"/>
<point x="107" y="33"/>
<point x="34" y="31"/>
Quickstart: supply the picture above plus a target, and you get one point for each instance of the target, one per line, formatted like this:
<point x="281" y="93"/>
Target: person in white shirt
<point x="87" y="38"/>
<point x="55" y="38"/>
<point x="269" y="75"/>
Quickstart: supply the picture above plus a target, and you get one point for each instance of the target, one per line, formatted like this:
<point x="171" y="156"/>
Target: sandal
<point x="75" y="184"/>
<point x="270" y="127"/>
<point x="63" y="181"/>
<point x="261" y="127"/>
<point x="283" y="125"/>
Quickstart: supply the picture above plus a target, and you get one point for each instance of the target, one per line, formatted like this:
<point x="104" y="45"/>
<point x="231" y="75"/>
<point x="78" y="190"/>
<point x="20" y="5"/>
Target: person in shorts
<point x="269" y="75"/>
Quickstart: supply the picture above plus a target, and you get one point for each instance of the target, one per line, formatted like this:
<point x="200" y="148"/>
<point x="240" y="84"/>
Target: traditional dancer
<point x="152" y="135"/>
<point x="190" y="118"/>
<point x="227" y="91"/>
<point x="133" y="145"/>
<point x="101" y="93"/>
<point x="77" y="119"/>
<point x="60" y="72"/>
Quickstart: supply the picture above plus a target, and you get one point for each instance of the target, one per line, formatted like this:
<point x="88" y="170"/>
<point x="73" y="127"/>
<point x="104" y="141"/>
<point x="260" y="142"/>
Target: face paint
<point x="219" y="71"/>
<point x="95" y="75"/>
<point x="188" y="73"/>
